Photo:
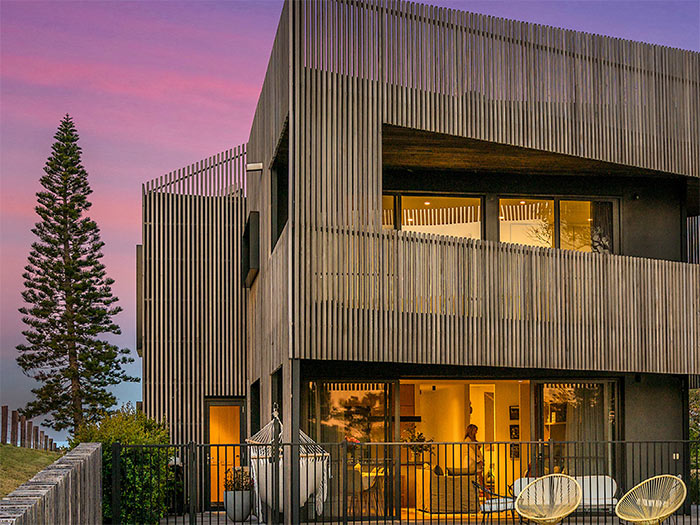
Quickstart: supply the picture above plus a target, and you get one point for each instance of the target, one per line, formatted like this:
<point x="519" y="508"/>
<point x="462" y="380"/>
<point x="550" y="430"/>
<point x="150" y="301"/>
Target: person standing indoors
<point x="474" y="455"/>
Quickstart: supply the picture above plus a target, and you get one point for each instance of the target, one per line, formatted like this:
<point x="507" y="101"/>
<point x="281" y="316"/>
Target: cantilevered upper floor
<point x="436" y="186"/>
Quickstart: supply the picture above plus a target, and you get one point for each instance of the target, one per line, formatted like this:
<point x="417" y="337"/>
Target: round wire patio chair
<point x="549" y="499"/>
<point x="652" y="501"/>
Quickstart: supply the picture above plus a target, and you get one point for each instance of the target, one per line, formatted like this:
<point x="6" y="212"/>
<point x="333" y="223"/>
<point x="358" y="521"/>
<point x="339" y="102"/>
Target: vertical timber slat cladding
<point x="269" y="303"/>
<point x="193" y="304"/>
<point x="362" y="294"/>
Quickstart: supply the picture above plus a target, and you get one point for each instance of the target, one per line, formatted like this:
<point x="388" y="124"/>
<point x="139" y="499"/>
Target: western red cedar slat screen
<point x="194" y="308"/>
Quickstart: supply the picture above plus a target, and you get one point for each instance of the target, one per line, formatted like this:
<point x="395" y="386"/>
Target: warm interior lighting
<point x="586" y="226"/>
<point x="224" y="428"/>
<point x="527" y="221"/>
<point x="451" y="216"/>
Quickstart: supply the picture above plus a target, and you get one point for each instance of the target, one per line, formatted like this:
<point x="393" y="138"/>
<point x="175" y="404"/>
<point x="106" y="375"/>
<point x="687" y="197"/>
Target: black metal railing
<point x="382" y="482"/>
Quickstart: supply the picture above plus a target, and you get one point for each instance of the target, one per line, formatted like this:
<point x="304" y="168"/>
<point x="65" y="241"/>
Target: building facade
<point x="449" y="219"/>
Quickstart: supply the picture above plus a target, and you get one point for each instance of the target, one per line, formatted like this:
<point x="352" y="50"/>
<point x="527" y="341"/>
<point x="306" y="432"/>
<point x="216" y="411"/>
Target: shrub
<point x="144" y="471"/>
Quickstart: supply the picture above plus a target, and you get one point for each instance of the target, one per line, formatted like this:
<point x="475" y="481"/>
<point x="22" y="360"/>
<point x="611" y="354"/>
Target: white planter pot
<point x="237" y="503"/>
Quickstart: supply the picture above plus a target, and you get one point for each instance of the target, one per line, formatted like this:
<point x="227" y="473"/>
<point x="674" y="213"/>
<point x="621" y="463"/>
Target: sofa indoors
<point x="441" y="492"/>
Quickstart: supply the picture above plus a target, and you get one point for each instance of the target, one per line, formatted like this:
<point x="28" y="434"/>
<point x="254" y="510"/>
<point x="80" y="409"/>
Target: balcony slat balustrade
<point x="456" y="301"/>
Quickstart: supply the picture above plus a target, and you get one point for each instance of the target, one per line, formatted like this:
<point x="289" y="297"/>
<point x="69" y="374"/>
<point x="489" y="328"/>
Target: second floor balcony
<point x="403" y="296"/>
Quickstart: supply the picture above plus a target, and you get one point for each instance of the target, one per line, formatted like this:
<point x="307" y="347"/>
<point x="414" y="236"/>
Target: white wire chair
<point x="652" y="501"/>
<point x="549" y="499"/>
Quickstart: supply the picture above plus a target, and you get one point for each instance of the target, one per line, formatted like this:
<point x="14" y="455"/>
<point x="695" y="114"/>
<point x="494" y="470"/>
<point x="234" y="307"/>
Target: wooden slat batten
<point x="454" y="301"/>
<point x="193" y="305"/>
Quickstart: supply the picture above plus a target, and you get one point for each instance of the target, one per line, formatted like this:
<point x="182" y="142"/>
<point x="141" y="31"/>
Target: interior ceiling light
<point x="502" y="217"/>
<point x="410" y="219"/>
<point x="427" y="203"/>
<point x="522" y="202"/>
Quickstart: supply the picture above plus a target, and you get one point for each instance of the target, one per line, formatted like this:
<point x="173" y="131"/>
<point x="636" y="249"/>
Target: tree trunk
<point x="75" y="395"/>
<point x="76" y="398"/>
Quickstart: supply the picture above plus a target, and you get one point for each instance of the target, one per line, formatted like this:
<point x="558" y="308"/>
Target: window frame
<point x="557" y="198"/>
<point x="615" y="201"/>
<point x="398" y="225"/>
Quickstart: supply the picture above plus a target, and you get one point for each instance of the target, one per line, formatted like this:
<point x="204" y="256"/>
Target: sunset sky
<point x="153" y="86"/>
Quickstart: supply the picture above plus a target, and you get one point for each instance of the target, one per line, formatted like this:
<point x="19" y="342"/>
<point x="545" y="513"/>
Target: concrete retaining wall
<point x="69" y="491"/>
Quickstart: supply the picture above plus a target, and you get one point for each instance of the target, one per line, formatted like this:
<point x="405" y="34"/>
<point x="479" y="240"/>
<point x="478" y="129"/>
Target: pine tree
<point x="69" y="301"/>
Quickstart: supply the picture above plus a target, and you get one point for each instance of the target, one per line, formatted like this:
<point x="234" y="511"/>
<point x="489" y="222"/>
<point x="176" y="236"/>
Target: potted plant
<point x="237" y="493"/>
<point x="417" y="443"/>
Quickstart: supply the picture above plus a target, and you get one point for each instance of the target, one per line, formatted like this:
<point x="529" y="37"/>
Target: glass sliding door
<point x="363" y="479"/>
<point x="580" y="417"/>
<point x="361" y="412"/>
<point x="578" y="411"/>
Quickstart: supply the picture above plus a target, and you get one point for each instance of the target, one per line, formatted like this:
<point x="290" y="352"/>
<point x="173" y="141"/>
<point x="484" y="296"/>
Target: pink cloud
<point x="160" y="86"/>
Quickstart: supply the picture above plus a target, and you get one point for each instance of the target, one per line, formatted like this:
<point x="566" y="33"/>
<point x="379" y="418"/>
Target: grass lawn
<point x="18" y="465"/>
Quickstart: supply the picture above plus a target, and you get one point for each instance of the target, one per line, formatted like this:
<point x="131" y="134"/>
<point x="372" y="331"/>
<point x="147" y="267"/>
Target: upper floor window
<point x="452" y="216"/>
<point x="527" y="221"/>
<point x="580" y="225"/>
<point x="279" y="196"/>
<point x="548" y="222"/>
<point x="586" y="226"/>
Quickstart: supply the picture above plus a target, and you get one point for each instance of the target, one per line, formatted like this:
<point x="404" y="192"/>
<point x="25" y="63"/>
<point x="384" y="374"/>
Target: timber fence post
<point x="22" y="431"/>
<point x="3" y="437"/>
<point x="13" y="429"/>
<point x="30" y="429"/>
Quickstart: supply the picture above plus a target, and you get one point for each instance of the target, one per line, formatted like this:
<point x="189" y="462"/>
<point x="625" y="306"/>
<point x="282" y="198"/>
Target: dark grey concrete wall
<point x="655" y="407"/>
<point x="652" y="225"/>
<point x="651" y="215"/>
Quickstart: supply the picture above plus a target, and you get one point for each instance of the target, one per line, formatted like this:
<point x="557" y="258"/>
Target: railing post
<point x="276" y="430"/>
<point x="116" y="483"/>
<point x="192" y="480"/>
<point x="23" y="431"/>
<point x="344" y="479"/>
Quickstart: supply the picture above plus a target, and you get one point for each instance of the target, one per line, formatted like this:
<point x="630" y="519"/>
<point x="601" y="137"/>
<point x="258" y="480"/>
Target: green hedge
<point x="144" y="471"/>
